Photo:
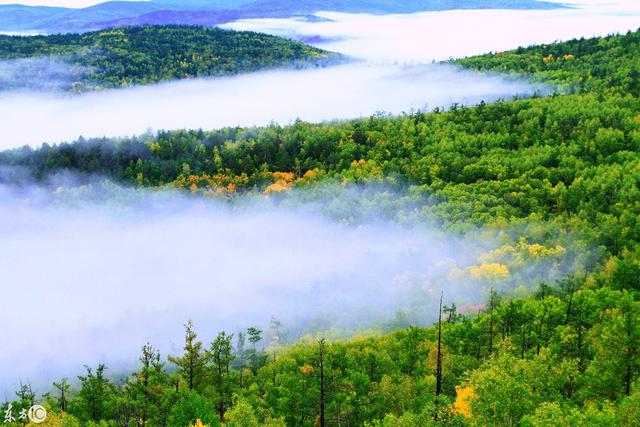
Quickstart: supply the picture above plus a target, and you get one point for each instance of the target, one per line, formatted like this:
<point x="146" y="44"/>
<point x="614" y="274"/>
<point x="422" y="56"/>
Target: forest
<point x="128" y="56"/>
<point x="553" y="176"/>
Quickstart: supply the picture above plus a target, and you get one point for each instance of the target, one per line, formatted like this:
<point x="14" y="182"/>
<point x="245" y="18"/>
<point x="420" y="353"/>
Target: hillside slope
<point x="610" y="64"/>
<point x="556" y="180"/>
<point x="142" y="55"/>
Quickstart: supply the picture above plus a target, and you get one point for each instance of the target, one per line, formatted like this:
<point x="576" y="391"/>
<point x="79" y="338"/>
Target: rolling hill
<point x="141" y="55"/>
<point x="555" y="180"/>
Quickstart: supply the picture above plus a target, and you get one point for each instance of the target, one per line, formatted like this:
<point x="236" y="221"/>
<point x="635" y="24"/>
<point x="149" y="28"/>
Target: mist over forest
<point x="323" y="261"/>
<point x="264" y="213"/>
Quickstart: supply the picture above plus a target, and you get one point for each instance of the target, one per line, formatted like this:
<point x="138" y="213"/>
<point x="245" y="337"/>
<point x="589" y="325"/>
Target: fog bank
<point x="339" y="92"/>
<point x="427" y="36"/>
<point x="46" y="74"/>
<point x="90" y="273"/>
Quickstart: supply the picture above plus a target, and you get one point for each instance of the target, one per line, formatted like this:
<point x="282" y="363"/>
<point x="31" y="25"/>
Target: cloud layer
<point x="427" y="36"/>
<point x="346" y="91"/>
<point x="339" y="92"/>
<point x="92" y="273"/>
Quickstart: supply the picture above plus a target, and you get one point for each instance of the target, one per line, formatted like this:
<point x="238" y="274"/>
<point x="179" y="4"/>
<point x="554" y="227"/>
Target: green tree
<point x="221" y="356"/>
<point x="191" y="364"/>
<point x="190" y="408"/>
<point x="255" y="336"/>
<point x="147" y="386"/>
<point x="96" y="392"/>
<point x="616" y="341"/>
<point x="63" y="389"/>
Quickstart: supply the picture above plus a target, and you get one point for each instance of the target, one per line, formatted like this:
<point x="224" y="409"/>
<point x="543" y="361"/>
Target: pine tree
<point x="439" y="361"/>
<point x="240" y="351"/>
<point x="255" y="336"/>
<point x="26" y="396"/>
<point x="221" y="356"/>
<point x="63" y="388"/>
<point x="191" y="364"/>
<point x="321" y="361"/>
<point x="148" y="383"/>
<point x="94" y="394"/>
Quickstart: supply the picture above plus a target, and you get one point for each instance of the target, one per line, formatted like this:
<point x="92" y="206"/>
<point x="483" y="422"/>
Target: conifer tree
<point x="191" y="364"/>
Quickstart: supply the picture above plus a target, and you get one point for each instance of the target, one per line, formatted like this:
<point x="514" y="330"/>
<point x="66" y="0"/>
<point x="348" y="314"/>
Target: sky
<point x="58" y="3"/>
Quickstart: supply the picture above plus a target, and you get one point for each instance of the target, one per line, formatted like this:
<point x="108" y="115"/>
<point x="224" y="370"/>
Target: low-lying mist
<point x="338" y="92"/>
<point x="427" y="36"/>
<point x="91" y="272"/>
<point x="341" y="92"/>
<point x="48" y="74"/>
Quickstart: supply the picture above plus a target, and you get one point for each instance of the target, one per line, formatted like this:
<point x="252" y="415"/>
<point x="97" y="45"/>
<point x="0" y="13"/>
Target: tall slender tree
<point x="221" y="356"/>
<point x="26" y="396"/>
<point x="255" y="336"/>
<point x="191" y="364"/>
<point x="439" y="360"/>
<point x="240" y="354"/>
<point x="95" y="393"/>
<point x="493" y="305"/>
<point x="321" y="361"/>
<point x="147" y="383"/>
<point x="63" y="388"/>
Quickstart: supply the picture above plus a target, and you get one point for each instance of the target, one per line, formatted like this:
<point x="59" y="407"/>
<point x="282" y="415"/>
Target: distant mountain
<point x="215" y="12"/>
<point x="201" y="4"/>
<point x="58" y="19"/>
<point x="288" y="8"/>
<point x="19" y="17"/>
<point x="207" y="18"/>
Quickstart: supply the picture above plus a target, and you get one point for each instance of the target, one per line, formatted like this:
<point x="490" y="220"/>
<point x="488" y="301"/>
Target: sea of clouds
<point x="395" y="74"/>
<point x="338" y="92"/>
<point x="84" y="281"/>
<point x="91" y="272"/>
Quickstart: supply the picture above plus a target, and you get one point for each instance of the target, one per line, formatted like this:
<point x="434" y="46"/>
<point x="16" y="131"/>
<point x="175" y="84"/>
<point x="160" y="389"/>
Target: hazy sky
<point x="59" y="3"/>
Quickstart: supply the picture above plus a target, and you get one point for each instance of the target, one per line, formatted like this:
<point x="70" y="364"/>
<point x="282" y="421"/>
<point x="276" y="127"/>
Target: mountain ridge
<point x="46" y="19"/>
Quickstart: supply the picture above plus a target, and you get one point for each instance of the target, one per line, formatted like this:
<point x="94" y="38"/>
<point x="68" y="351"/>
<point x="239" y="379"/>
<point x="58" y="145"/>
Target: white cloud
<point x="426" y="36"/>
<point x="92" y="273"/>
<point x="338" y="92"/>
<point x="86" y="282"/>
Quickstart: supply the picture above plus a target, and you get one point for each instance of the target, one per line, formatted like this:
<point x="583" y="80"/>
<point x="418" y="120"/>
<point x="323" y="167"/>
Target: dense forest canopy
<point x="149" y="54"/>
<point x="564" y="354"/>
<point x="603" y="64"/>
